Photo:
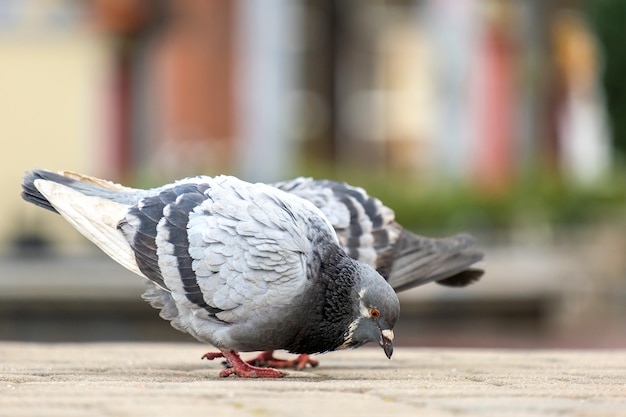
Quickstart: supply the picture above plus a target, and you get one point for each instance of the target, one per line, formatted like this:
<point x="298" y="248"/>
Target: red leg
<point x="267" y="359"/>
<point x="241" y="368"/>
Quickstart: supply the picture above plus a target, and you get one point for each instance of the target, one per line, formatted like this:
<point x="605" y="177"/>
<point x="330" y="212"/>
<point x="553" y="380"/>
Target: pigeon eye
<point x="374" y="313"/>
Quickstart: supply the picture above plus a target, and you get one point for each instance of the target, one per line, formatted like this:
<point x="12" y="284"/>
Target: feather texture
<point x="368" y="232"/>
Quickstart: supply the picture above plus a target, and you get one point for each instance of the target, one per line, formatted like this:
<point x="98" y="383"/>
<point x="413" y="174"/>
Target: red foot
<point x="241" y="368"/>
<point x="267" y="359"/>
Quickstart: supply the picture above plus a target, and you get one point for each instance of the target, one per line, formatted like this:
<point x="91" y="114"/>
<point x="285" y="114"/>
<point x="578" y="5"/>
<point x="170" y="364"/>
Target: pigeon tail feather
<point x="30" y="192"/>
<point x="95" y="211"/>
<point x="448" y="261"/>
<point x="86" y="185"/>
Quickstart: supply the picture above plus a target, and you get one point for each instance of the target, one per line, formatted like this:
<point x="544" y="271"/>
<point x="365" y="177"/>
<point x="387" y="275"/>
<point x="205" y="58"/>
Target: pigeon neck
<point x="329" y="305"/>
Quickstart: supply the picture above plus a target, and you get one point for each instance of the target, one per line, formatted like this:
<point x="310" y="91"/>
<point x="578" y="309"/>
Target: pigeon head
<point x="378" y="311"/>
<point x="348" y="305"/>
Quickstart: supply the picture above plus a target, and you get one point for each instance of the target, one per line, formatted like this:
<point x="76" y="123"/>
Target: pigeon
<point x="243" y="267"/>
<point x="368" y="232"/>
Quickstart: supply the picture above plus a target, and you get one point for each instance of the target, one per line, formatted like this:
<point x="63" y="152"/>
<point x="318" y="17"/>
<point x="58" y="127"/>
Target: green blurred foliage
<point x="443" y="207"/>
<point x="608" y="18"/>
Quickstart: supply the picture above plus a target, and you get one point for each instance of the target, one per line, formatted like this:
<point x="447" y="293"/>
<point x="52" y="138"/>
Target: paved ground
<point x="151" y="379"/>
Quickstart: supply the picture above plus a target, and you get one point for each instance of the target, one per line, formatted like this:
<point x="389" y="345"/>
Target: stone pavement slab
<point x="158" y="379"/>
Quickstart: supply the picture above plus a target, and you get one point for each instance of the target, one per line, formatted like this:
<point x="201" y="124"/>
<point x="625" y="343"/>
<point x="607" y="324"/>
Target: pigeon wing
<point x="368" y="232"/>
<point x="365" y="227"/>
<point x="225" y="249"/>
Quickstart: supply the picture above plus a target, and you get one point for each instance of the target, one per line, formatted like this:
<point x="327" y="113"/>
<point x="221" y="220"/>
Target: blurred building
<point x="55" y="80"/>
<point x="474" y="91"/>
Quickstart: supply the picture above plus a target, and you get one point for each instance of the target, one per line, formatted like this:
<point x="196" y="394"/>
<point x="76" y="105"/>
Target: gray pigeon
<point x="368" y="232"/>
<point x="243" y="267"/>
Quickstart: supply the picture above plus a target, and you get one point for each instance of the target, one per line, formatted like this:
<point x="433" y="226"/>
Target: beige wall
<point x="52" y="115"/>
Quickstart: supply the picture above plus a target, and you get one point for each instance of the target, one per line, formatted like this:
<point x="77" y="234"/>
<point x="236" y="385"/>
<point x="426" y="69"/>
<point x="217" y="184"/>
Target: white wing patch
<point x="96" y="218"/>
<point x="168" y="263"/>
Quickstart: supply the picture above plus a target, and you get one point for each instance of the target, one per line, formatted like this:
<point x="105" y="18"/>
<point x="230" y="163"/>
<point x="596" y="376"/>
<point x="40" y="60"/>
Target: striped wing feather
<point x="221" y="244"/>
<point x="368" y="232"/>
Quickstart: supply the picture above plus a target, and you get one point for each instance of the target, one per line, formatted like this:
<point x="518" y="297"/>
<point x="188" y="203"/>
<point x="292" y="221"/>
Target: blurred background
<point x="502" y="118"/>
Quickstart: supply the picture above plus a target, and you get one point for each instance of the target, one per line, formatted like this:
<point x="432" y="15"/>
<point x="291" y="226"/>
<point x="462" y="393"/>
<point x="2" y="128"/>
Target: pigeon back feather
<point x="368" y="232"/>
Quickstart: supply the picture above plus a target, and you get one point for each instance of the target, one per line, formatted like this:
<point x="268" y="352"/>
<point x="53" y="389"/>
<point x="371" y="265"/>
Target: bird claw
<point x="267" y="359"/>
<point x="240" y="368"/>
<point x="212" y="355"/>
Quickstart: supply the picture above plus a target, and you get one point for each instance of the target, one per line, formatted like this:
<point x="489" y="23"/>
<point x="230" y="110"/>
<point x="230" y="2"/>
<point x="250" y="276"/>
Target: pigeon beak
<point x="386" y="339"/>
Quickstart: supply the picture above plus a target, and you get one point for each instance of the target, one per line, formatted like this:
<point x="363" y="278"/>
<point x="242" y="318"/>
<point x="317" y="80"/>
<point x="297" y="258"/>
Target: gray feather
<point x="369" y="233"/>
